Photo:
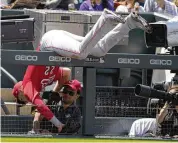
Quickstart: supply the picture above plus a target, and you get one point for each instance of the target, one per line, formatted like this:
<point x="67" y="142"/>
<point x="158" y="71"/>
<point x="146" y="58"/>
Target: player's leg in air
<point x="70" y="45"/>
<point x="112" y="38"/>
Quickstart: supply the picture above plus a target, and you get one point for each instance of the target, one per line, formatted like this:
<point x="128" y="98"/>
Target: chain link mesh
<point x="119" y="102"/>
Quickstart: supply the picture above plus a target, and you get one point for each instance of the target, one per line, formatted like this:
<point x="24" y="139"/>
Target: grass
<point x="78" y="140"/>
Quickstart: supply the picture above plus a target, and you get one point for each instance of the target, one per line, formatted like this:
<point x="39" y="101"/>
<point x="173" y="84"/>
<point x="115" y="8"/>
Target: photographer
<point x="147" y="126"/>
<point x="167" y="118"/>
<point x="64" y="108"/>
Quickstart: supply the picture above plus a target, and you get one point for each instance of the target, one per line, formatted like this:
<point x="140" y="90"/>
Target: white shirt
<point x="142" y="126"/>
<point x="152" y="6"/>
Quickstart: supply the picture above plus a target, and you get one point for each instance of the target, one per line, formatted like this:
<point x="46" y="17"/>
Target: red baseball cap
<point x="17" y="88"/>
<point x="74" y="84"/>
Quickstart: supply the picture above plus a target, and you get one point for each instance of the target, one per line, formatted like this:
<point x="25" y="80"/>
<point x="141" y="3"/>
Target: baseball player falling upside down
<point x="98" y="41"/>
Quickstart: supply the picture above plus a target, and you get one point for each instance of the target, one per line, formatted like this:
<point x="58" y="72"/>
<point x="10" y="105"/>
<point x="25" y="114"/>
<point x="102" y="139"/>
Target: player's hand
<point x="60" y="128"/>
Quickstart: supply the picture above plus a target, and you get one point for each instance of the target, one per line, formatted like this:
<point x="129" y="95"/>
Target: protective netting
<point x="119" y="102"/>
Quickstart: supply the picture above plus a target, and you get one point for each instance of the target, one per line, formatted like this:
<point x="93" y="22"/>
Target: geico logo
<point x="160" y="62"/>
<point x="59" y="59"/>
<point x="26" y="58"/>
<point x="128" y="61"/>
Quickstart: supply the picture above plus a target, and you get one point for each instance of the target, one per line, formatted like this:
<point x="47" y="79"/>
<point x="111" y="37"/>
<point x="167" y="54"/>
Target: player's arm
<point x="65" y="76"/>
<point x="46" y="112"/>
<point x="34" y="96"/>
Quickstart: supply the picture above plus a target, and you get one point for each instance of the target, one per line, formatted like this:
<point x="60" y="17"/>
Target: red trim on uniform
<point x="86" y="43"/>
<point x="62" y="49"/>
<point x="94" y="35"/>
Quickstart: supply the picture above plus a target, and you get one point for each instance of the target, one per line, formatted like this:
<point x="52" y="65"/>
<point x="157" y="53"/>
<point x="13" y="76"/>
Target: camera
<point x="148" y="92"/>
<point x="163" y="86"/>
<point x="165" y="34"/>
<point x="158" y="38"/>
<point x="154" y="103"/>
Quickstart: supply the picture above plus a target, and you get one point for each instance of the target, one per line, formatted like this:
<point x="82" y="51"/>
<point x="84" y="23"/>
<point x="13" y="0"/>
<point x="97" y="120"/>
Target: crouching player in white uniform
<point x="143" y="127"/>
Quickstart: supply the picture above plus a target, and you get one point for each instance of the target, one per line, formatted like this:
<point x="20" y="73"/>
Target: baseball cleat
<point x="134" y="20"/>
